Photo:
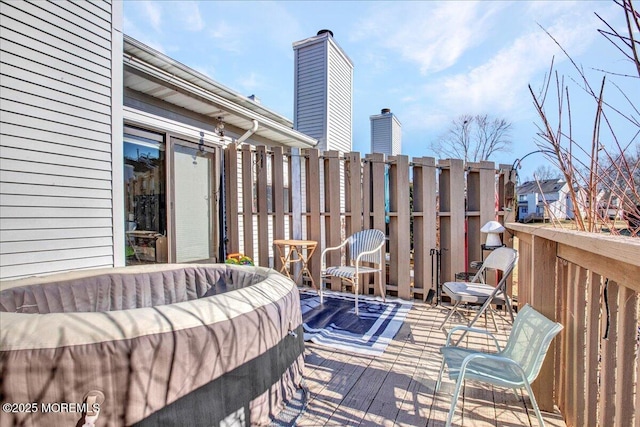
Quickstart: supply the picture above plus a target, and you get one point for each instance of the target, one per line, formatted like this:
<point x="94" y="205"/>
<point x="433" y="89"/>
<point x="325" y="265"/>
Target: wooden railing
<point x="589" y="283"/>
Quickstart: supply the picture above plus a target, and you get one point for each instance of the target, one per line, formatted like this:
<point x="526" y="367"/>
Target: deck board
<point x="398" y="387"/>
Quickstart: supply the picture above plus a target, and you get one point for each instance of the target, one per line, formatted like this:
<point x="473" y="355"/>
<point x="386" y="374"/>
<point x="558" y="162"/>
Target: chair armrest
<point x="372" y="251"/>
<point x="496" y="358"/>
<point x="323" y="264"/>
<point x="474" y="330"/>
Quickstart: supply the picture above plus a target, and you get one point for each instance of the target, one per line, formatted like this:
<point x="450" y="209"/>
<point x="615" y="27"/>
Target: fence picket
<point x="277" y="194"/>
<point x="356" y="195"/>
<point x="263" y="208"/>
<point x="247" y="200"/>
<point x="626" y="349"/>
<point x="399" y="232"/>
<point x="424" y="225"/>
<point x="312" y="177"/>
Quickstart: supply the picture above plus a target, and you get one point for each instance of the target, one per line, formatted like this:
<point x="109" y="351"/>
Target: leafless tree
<point x="544" y="172"/>
<point x="606" y="165"/>
<point x="473" y="138"/>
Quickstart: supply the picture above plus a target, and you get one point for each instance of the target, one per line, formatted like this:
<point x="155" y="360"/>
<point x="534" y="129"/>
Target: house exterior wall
<point x="323" y="89"/>
<point x="61" y="142"/>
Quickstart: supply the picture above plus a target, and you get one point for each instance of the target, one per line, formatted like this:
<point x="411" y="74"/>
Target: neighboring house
<point x="386" y="133"/>
<point x="105" y="142"/>
<point x="543" y="200"/>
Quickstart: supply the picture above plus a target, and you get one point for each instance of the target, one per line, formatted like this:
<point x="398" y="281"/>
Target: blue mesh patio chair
<point x="363" y="246"/>
<point x="480" y="293"/>
<point x="516" y="366"/>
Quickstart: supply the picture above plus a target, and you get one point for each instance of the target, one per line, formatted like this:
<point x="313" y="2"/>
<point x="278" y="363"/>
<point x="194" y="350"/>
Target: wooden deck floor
<point x="397" y="388"/>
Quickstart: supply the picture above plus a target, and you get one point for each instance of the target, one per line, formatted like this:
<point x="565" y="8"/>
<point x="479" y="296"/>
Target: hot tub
<point x="190" y="344"/>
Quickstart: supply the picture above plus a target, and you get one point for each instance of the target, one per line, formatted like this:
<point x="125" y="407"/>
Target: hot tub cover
<point x="192" y="344"/>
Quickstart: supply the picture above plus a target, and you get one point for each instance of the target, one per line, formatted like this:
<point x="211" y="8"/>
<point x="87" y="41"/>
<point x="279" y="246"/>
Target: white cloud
<point x="251" y="82"/>
<point x="189" y="14"/>
<point x="251" y="26"/>
<point x="132" y="30"/>
<point x="228" y="37"/>
<point x="499" y="85"/>
<point x="281" y="31"/>
<point x="432" y="35"/>
<point x="153" y="13"/>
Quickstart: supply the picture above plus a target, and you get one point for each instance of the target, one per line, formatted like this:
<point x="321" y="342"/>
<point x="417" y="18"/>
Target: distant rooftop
<point x="542" y="186"/>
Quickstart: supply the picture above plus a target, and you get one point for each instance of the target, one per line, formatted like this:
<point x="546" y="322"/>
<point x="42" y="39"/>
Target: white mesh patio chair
<point x="516" y="366"/>
<point x="480" y="293"/>
<point x="362" y="246"/>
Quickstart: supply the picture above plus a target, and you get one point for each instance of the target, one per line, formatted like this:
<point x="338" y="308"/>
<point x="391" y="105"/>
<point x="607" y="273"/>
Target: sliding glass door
<point x="194" y="201"/>
<point x="145" y="204"/>
<point x="171" y="198"/>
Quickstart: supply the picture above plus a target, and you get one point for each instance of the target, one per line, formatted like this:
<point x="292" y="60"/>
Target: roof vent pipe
<point x="248" y="133"/>
<point x="385" y="111"/>
<point x="325" y="31"/>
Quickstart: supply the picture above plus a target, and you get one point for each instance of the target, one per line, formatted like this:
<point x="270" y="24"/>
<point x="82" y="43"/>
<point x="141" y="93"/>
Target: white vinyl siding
<point x="57" y="136"/>
<point x="339" y="105"/>
<point x="311" y="89"/>
<point x="386" y="134"/>
<point x="380" y="136"/>
<point x="396" y="138"/>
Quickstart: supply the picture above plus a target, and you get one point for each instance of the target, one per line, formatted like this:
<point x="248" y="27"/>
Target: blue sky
<point x="428" y="61"/>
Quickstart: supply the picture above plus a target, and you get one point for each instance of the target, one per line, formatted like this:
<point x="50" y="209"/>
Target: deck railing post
<point x="543" y="299"/>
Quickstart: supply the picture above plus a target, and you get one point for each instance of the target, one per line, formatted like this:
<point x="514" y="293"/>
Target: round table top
<point x="295" y="242"/>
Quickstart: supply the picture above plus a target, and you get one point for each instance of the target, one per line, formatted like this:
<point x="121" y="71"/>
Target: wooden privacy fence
<point x="590" y="284"/>
<point x="344" y="193"/>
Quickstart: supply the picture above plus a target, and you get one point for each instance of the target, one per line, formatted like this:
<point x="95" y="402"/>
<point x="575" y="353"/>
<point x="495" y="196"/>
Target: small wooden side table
<point x="292" y="251"/>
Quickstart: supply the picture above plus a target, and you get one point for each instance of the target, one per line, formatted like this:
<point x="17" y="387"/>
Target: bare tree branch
<point x="474" y="138"/>
<point x="603" y="174"/>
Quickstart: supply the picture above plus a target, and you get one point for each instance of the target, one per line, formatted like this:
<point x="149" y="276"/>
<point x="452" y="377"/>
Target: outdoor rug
<point x="335" y="324"/>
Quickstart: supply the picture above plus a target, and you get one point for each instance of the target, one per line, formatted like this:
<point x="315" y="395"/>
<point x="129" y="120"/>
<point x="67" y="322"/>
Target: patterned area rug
<point x="335" y="324"/>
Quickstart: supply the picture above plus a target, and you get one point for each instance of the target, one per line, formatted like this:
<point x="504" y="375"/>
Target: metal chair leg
<point x="454" y="401"/>
<point x="382" y="290"/>
<point x="439" y="382"/>
<point x="493" y="318"/>
<point x="533" y="402"/>
<point x="451" y="311"/>
<point x="355" y="288"/>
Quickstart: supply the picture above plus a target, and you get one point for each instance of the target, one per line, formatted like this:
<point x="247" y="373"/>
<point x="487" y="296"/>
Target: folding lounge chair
<point x="516" y="366"/>
<point x="363" y="246"/>
<point x="480" y="293"/>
